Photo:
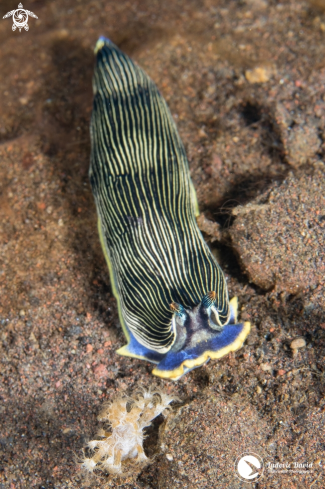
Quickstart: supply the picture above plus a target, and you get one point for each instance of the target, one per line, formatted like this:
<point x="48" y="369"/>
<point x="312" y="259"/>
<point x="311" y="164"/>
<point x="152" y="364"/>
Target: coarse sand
<point x="245" y="82"/>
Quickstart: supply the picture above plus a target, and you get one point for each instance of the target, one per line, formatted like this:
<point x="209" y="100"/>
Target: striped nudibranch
<point x="171" y="293"/>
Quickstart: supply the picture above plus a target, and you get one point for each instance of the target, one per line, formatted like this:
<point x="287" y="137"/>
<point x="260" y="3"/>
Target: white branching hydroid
<point x="127" y="416"/>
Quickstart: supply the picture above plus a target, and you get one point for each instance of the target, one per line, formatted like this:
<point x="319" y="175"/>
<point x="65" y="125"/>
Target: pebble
<point x="89" y="348"/>
<point x="169" y="457"/>
<point x="100" y="371"/>
<point x="23" y="100"/>
<point x="298" y="343"/>
<point x="266" y="367"/>
<point x="211" y="228"/>
<point x="258" y="75"/>
<point x="202" y="133"/>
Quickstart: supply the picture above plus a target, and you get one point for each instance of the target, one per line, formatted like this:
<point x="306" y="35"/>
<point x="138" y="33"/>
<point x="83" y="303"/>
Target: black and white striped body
<point x="146" y="206"/>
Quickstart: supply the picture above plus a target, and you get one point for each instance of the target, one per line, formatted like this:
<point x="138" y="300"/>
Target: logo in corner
<point x="249" y="467"/>
<point x="20" y="18"/>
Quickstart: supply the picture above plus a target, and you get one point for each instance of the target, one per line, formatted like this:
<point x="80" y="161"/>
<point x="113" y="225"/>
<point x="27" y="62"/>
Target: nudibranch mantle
<point x="171" y="293"/>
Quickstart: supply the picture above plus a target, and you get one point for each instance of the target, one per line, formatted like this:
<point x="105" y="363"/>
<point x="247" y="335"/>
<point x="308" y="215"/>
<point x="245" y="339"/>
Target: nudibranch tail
<point x="172" y="295"/>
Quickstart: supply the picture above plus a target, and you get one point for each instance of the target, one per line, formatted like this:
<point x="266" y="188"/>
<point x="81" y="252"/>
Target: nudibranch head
<point x="200" y="336"/>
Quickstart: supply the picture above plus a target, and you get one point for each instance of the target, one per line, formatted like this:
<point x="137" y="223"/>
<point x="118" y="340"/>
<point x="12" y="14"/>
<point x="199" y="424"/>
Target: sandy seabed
<point x="245" y="82"/>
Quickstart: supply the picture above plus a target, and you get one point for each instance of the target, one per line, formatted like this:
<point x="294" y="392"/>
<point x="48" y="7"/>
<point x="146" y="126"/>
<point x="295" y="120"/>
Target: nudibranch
<point x="172" y="295"/>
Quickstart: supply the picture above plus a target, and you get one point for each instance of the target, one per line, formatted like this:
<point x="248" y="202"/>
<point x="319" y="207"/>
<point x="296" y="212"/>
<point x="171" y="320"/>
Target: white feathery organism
<point x="127" y="416"/>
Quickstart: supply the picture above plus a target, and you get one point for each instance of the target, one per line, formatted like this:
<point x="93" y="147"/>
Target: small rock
<point x="62" y="33"/>
<point x="212" y="229"/>
<point x="100" y="371"/>
<point x="23" y="100"/>
<point x="302" y="143"/>
<point x="74" y="330"/>
<point x="89" y="348"/>
<point x="300" y="137"/>
<point x="266" y="367"/>
<point x="169" y="457"/>
<point x="298" y="343"/>
<point x="202" y="133"/>
<point x="34" y="342"/>
<point x="216" y="163"/>
<point x="259" y="74"/>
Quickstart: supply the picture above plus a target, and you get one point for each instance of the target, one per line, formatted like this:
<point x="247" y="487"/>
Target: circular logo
<point x="20" y="18"/>
<point x="249" y="467"/>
